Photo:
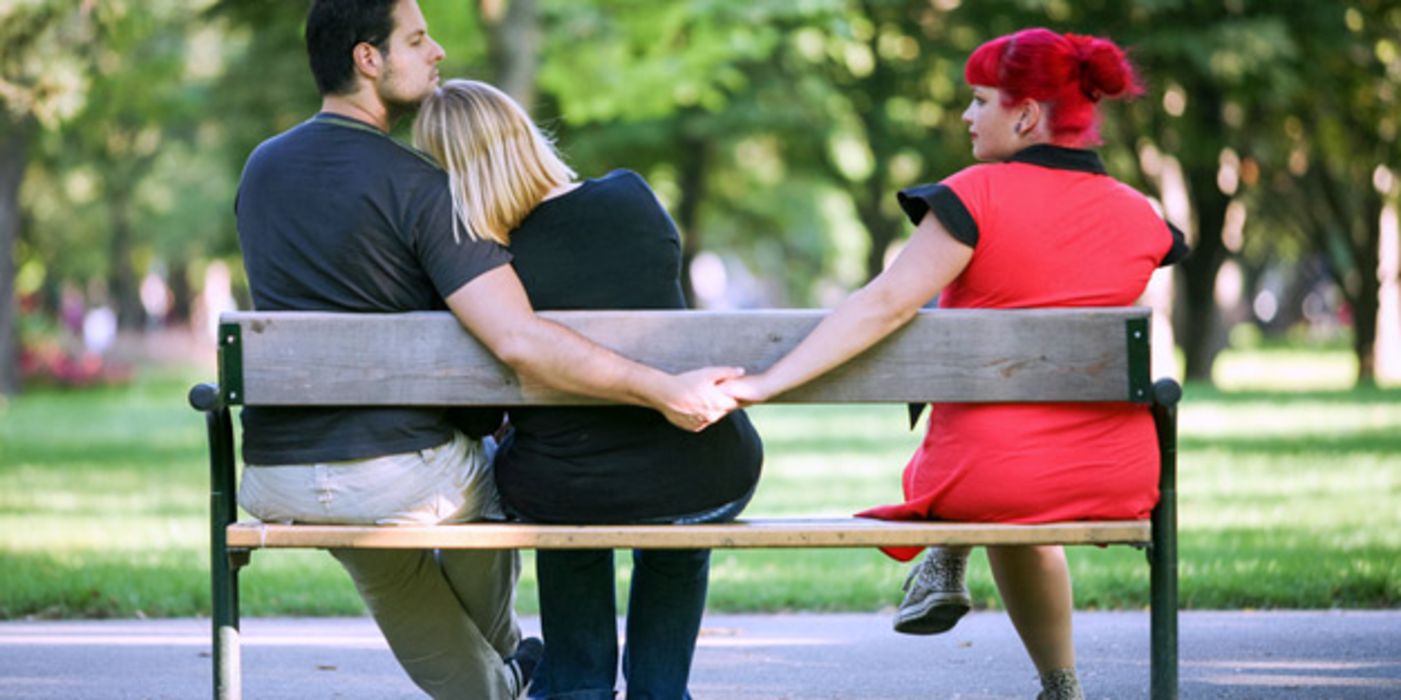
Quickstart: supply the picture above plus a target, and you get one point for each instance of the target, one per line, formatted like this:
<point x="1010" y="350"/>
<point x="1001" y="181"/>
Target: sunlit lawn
<point x="1288" y="499"/>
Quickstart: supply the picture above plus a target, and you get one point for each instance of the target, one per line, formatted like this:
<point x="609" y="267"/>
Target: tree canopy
<point x="776" y="131"/>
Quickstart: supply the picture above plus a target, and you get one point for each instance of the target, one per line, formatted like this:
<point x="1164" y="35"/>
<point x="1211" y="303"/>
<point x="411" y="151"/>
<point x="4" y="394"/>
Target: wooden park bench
<point x="322" y="359"/>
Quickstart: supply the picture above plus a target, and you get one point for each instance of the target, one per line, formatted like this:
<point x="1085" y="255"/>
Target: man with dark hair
<point x="333" y="215"/>
<point x="333" y="30"/>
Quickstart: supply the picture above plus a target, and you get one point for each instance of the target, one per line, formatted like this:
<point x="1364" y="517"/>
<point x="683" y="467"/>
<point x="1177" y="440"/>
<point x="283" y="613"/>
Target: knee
<point x="381" y="571"/>
<point x="1036" y="556"/>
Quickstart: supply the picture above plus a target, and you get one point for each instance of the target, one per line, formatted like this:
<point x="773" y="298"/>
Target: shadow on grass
<point x="1358" y="396"/>
<point x="1259" y="568"/>
<point x="100" y="586"/>
<point x="126" y="454"/>
<point x="167" y="583"/>
<point x="1367" y="441"/>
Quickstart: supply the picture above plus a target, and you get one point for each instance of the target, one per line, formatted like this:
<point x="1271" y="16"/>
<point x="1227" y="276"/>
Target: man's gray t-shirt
<point x="333" y="215"/>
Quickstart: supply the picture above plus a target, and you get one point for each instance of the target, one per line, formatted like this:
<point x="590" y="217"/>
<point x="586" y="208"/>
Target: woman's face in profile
<point x="991" y="127"/>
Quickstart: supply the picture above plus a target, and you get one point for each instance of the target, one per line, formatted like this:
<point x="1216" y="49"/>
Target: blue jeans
<point x="579" y="620"/>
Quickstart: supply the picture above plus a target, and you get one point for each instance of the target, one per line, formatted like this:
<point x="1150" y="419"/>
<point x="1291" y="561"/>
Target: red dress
<point x="1048" y="229"/>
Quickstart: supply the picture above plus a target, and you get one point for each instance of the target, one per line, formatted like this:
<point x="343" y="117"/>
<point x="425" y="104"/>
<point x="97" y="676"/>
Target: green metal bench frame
<point x="216" y="402"/>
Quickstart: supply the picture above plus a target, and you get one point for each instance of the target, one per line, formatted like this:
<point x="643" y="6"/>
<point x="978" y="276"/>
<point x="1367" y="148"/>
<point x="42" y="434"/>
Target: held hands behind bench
<point x="694" y="400"/>
<point x="494" y="307"/>
<point x="749" y="390"/>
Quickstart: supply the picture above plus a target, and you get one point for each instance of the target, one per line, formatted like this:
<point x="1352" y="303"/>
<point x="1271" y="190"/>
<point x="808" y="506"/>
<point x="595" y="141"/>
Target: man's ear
<point x="369" y="62"/>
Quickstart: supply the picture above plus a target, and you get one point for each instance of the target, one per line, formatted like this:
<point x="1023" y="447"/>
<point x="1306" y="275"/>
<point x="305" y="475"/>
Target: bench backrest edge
<point x="427" y="358"/>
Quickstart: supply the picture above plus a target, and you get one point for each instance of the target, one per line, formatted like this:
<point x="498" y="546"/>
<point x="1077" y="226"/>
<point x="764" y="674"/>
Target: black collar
<point x="1060" y="158"/>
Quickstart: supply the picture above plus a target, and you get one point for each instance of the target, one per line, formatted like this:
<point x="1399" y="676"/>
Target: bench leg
<point x="228" y="680"/>
<point x="1162" y="556"/>
<point x="224" y="565"/>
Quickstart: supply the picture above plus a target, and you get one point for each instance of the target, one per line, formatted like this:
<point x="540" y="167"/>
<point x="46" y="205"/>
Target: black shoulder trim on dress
<point x="1060" y="158"/>
<point x="1179" y="250"/>
<point x="915" y="409"/>
<point x="938" y="198"/>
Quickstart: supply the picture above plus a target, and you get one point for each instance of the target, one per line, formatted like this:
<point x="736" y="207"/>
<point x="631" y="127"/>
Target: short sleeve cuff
<point x="940" y="199"/>
<point x="1179" y="250"/>
<point x="448" y="279"/>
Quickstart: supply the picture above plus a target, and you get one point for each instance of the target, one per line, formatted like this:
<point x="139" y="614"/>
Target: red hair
<point x="1069" y="72"/>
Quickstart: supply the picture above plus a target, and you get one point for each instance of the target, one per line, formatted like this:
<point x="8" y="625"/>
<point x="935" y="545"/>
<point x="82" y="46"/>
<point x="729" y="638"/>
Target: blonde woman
<point x="603" y="243"/>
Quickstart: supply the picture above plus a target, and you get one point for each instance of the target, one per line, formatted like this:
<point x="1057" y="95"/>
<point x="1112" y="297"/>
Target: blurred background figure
<point x="155" y="298"/>
<point x="216" y="298"/>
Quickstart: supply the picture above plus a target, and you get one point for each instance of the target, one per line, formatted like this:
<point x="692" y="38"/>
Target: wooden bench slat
<point x="749" y="533"/>
<point x="427" y="358"/>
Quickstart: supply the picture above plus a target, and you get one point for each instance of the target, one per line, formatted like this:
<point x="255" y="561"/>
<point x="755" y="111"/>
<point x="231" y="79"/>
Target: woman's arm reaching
<point x="928" y="262"/>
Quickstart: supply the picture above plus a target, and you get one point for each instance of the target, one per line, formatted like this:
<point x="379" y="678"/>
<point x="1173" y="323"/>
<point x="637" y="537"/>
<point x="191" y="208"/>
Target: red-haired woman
<point x="1038" y="224"/>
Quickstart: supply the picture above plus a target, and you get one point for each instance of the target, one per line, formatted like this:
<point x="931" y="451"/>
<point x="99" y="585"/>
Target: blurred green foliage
<point x="775" y="130"/>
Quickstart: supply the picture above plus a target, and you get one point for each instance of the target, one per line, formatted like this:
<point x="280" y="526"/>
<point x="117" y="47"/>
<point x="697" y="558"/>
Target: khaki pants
<point x="449" y="616"/>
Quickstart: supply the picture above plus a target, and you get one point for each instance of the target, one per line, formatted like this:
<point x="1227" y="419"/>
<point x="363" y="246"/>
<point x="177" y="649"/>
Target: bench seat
<point x="741" y="534"/>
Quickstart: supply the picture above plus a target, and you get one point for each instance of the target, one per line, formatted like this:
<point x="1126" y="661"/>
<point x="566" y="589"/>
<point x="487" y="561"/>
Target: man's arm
<point x="495" y="308"/>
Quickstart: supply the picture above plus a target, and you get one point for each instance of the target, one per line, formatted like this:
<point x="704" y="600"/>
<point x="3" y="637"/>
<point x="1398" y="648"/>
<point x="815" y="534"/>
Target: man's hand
<point x="693" y="400"/>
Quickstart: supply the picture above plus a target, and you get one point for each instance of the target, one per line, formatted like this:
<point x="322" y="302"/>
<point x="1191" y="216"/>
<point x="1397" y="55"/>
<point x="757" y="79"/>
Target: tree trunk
<point x="513" y="46"/>
<point x="181" y="295"/>
<point x="125" y="290"/>
<point x="1350" y="212"/>
<point x="694" y="164"/>
<point x="14" y="155"/>
<point x="868" y="196"/>
<point x="880" y="227"/>
<point x="1198" y="332"/>
<point x="1368" y="299"/>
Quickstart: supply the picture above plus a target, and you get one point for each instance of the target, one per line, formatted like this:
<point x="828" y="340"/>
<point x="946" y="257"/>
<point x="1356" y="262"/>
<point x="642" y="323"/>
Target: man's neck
<point x="359" y="107"/>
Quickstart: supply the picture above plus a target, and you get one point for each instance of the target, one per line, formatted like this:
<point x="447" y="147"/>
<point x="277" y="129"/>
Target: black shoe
<point x="522" y="663"/>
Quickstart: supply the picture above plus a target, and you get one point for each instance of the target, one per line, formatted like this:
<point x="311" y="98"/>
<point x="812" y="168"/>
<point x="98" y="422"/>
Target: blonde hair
<point x="499" y="164"/>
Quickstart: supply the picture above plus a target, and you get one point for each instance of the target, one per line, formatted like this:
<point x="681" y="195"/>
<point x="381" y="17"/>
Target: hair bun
<point x="1104" y="69"/>
<point x="1071" y="73"/>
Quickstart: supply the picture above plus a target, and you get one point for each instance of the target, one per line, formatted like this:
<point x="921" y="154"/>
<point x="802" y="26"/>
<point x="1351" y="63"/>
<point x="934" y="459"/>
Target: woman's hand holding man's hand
<point x="699" y="398"/>
<point x="695" y="400"/>
<point x="747" y="390"/>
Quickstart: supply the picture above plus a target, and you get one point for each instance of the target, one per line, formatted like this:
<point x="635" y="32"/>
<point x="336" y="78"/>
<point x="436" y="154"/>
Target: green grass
<point x="1288" y="499"/>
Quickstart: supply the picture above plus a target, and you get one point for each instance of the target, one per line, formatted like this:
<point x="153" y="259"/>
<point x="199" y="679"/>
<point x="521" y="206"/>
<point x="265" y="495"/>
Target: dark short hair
<point x="334" y="27"/>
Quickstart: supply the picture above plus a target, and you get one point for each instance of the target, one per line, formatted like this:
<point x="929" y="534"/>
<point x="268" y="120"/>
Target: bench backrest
<point x="427" y="358"/>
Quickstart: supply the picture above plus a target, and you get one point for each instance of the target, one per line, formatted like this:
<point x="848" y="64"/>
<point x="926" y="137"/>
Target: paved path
<point x="1321" y="655"/>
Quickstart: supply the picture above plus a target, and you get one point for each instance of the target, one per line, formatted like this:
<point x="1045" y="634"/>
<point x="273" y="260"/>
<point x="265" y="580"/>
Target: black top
<point x="939" y="198"/>
<point x="608" y="244"/>
<point x="333" y="215"/>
